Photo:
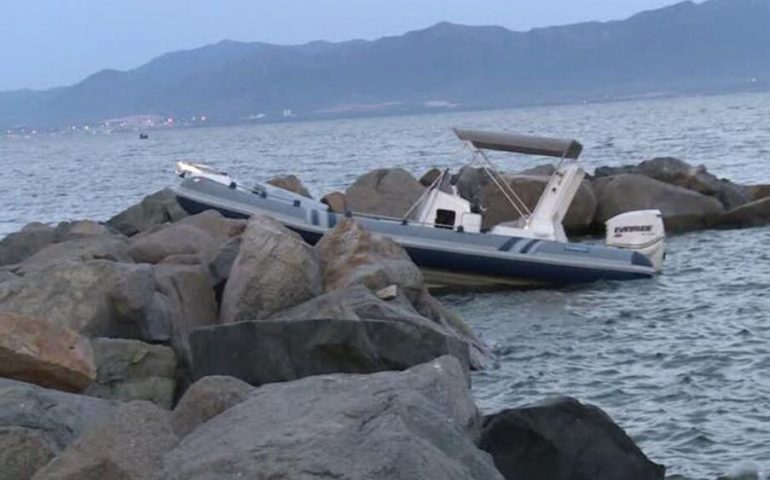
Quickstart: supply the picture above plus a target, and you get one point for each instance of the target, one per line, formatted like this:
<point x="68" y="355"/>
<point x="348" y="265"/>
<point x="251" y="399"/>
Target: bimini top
<point x="511" y="142"/>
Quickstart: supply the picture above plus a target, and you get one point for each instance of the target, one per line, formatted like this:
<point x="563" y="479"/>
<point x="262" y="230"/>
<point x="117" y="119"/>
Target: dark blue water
<point x="681" y="361"/>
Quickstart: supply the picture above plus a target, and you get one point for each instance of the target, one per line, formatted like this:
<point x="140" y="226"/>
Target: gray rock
<point x="470" y="183"/>
<point x="132" y="370"/>
<point x="94" y="298"/>
<point x="79" y="249"/>
<point x="497" y="208"/>
<point x="222" y="262"/>
<point x="175" y="239"/>
<point x="563" y="439"/>
<point x="682" y="209"/>
<point x="205" y="399"/>
<point x="56" y="416"/>
<point x="430" y="176"/>
<point x="405" y="425"/>
<point x="23" y="452"/>
<point x="81" y="228"/>
<point x="268" y="351"/>
<point x="758" y="192"/>
<point x="130" y="445"/>
<point x="275" y="269"/>
<point x="753" y="214"/>
<point x="336" y="202"/>
<point x="215" y="224"/>
<point x="387" y="192"/>
<point x="18" y="246"/>
<point x="158" y="208"/>
<point x="290" y="183"/>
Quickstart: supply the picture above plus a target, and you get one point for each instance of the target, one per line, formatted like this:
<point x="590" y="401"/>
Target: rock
<point x="386" y="192"/>
<point x="222" y="263"/>
<point x="753" y="214"/>
<point x="57" y="417"/>
<point x="19" y="246"/>
<point x="498" y="209"/>
<point x="544" y="170"/>
<point x="388" y="293"/>
<point x="430" y="176"/>
<point x="682" y="209"/>
<point x="187" y="297"/>
<point x="132" y="370"/>
<point x="176" y="239"/>
<point x="470" y="183"/>
<point x="94" y="298"/>
<point x="275" y="269"/>
<point x="155" y="209"/>
<point x="37" y="351"/>
<point x="290" y="183"/>
<point x="563" y="439"/>
<point x="22" y="453"/>
<point x="678" y="172"/>
<point x="268" y="351"/>
<point x="80" y="249"/>
<point x="215" y="224"/>
<point x="81" y="228"/>
<point x="351" y="255"/>
<point x="336" y="202"/>
<point x="6" y="276"/>
<point x="758" y="192"/>
<point x="404" y="425"/>
<point x="129" y="445"/>
<point x="205" y="399"/>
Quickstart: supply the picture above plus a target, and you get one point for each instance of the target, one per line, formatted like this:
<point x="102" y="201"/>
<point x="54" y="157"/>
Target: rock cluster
<point x="689" y="197"/>
<point x="161" y="345"/>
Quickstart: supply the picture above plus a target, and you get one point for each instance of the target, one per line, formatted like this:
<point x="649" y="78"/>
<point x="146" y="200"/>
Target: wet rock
<point x="129" y="445"/>
<point x="82" y="249"/>
<point x="176" y="239"/>
<point x="22" y="453"/>
<point x="386" y="192"/>
<point x="290" y="183"/>
<point x="268" y="351"/>
<point x="57" y="417"/>
<point x="497" y="208"/>
<point x="132" y="370"/>
<point x="158" y="208"/>
<point x="411" y="424"/>
<point x="429" y="177"/>
<point x="205" y="399"/>
<point x="753" y="214"/>
<point x="94" y="298"/>
<point x="682" y="209"/>
<point x="37" y="351"/>
<point x="563" y="439"/>
<point x="336" y="202"/>
<point x="19" y="246"/>
<point x="275" y="269"/>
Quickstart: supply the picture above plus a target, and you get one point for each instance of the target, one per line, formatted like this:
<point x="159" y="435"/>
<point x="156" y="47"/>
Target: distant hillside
<point x="688" y="47"/>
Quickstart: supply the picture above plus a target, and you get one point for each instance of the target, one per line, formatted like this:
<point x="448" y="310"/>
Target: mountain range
<point x="685" y="48"/>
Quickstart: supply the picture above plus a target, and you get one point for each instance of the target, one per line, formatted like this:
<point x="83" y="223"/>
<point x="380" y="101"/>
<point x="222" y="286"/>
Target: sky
<point x="47" y="43"/>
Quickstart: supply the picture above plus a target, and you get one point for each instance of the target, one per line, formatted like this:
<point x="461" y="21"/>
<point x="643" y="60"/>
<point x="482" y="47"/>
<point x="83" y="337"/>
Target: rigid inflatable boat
<point x="444" y="237"/>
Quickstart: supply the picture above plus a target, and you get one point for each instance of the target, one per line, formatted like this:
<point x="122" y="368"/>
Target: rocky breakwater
<point x="690" y="197"/>
<point x="163" y="346"/>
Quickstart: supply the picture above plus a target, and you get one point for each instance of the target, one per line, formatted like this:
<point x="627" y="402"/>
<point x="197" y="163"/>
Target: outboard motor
<point x="641" y="231"/>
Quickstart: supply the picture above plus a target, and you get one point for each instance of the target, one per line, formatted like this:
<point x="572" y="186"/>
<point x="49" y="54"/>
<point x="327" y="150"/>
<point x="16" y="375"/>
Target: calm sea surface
<point x="681" y="361"/>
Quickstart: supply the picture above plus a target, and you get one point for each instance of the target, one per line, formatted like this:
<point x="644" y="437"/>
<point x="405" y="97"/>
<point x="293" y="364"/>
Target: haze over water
<point x="682" y="361"/>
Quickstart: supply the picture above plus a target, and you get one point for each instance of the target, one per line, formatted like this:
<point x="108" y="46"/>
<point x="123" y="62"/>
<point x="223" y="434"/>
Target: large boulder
<point x="682" y="209"/>
<point x="387" y="192"/>
<point x="175" y="239"/>
<point x="268" y="351"/>
<point x="79" y="249"/>
<point x="215" y="224"/>
<point x="57" y="417"/>
<point x="680" y="173"/>
<point x="94" y="298"/>
<point x="19" y="246"/>
<point x="128" y="446"/>
<point x="160" y="207"/>
<point x="563" y="439"/>
<point x="37" y="351"/>
<point x="430" y="177"/>
<point x="336" y="202"/>
<point x="529" y="188"/>
<point x="407" y="425"/>
<point x="132" y="370"/>
<point x="205" y="399"/>
<point x="290" y="183"/>
<point x="23" y="452"/>
<point x="275" y="269"/>
<point x="752" y="214"/>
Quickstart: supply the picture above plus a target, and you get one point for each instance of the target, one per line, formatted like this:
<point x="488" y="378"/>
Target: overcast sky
<point x="45" y="43"/>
